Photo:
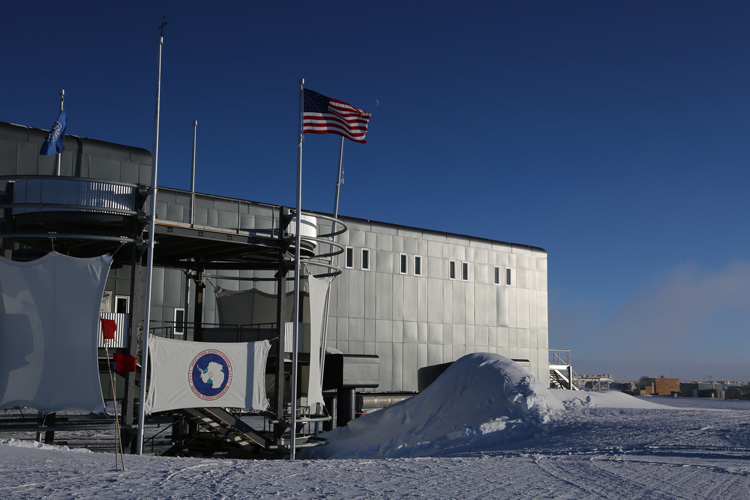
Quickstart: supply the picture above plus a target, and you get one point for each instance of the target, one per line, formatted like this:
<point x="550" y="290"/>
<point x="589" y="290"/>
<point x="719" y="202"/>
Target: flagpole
<point x="150" y="267"/>
<point x="192" y="177"/>
<point x="333" y="239"/>
<point x="59" y="155"/>
<point x="297" y="270"/>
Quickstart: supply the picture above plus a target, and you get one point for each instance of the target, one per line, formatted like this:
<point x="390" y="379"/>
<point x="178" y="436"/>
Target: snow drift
<point x="480" y="400"/>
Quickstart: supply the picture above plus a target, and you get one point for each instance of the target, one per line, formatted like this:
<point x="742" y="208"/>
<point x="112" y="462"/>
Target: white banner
<point x="318" y="295"/>
<point x="49" y="315"/>
<point x="206" y="374"/>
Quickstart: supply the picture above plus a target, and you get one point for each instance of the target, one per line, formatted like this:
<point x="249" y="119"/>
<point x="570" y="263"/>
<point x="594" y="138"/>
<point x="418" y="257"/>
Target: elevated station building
<point x="405" y="301"/>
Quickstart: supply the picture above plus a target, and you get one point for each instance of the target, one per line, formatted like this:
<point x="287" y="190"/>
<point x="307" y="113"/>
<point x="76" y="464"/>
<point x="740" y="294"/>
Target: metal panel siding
<point x="356" y="329"/>
<point x="410" y="360"/>
<point x="434" y="355"/>
<point x="384" y="331"/>
<point x="370" y="330"/>
<point x="533" y="308"/>
<point x="522" y="308"/>
<point x="385" y="351"/>
<point x="470" y="338"/>
<point x="459" y="302"/>
<point x="422" y="306"/>
<point x="157" y="287"/>
<point x="410" y="332"/>
<point x="459" y="334"/>
<point x="356" y="295"/>
<point x="469" y="304"/>
<point x="397" y="298"/>
<point x="435" y="301"/>
<point x="384" y="297"/>
<point x="434" y="333"/>
<point x="173" y="288"/>
<point x="384" y="260"/>
<point x="422" y="334"/>
<point x="398" y="332"/>
<point x="481" y="336"/>
<point x="482" y="304"/>
<point x="370" y="295"/>
<point x="385" y="242"/>
<point x="398" y="366"/>
<point x="410" y="303"/>
<point x="448" y="302"/>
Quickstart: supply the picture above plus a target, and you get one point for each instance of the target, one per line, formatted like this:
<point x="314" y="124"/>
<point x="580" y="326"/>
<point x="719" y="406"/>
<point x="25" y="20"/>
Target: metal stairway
<point x="561" y="381"/>
<point x="223" y="433"/>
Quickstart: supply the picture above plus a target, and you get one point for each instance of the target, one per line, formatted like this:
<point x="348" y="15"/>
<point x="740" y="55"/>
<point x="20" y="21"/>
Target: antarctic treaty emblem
<point x="210" y="374"/>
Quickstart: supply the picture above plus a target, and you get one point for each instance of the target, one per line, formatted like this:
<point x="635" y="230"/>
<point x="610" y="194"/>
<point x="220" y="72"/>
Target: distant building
<point x="702" y="390"/>
<point x="659" y="386"/>
<point x="737" y="392"/>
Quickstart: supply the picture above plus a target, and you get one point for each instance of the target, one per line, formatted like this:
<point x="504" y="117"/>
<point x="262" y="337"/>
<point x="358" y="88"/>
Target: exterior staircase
<point x="222" y="432"/>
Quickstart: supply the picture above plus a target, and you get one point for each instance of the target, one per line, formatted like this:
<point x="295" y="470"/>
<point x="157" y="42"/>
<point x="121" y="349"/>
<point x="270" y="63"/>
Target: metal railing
<point x="559" y="356"/>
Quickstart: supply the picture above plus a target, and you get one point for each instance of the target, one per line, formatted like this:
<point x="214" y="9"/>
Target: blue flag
<point x="53" y="144"/>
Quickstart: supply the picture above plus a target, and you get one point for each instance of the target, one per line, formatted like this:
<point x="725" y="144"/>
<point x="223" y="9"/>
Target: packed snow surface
<point x="484" y="429"/>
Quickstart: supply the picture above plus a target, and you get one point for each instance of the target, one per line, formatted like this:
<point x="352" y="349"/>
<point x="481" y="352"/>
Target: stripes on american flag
<point x="325" y="115"/>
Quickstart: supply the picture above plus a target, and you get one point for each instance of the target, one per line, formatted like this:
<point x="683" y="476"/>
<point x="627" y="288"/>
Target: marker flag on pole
<point x="325" y="115"/>
<point x="109" y="327"/>
<point x="53" y="144"/>
<point x="124" y="363"/>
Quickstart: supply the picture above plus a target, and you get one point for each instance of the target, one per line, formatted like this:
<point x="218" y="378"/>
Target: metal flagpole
<point x="333" y="238"/>
<point x="297" y="271"/>
<point x="59" y="155"/>
<point x="150" y="268"/>
<point x="192" y="177"/>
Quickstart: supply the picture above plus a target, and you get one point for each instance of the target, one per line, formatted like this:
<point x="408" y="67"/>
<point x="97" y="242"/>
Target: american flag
<point x="325" y="115"/>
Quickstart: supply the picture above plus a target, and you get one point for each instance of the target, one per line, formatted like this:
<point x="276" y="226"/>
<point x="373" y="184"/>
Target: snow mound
<point x="480" y="401"/>
<point x="578" y="400"/>
<point x="22" y="443"/>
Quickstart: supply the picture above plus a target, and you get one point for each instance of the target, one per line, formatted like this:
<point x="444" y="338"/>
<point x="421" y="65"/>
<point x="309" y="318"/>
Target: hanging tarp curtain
<point x="318" y="295"/>
<point x="206" y="374"/>
<point x="252" y="307"/>
<point x="49" y="315"/>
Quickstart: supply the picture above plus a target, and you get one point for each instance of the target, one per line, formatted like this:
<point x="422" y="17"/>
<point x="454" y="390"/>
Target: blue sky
<point x="611" y="134"/>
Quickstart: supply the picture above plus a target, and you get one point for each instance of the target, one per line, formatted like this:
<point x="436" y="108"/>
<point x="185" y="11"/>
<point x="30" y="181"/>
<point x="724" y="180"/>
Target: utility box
<point x="348" y="371"/>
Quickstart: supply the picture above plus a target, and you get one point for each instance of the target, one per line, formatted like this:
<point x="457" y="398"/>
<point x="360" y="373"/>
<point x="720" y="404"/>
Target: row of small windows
<point x="417" y="266"/>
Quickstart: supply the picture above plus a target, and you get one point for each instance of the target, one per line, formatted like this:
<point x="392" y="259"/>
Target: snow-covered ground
<point x="484" y="429"/>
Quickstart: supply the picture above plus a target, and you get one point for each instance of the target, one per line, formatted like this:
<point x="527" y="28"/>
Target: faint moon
<point x="377" y="103"/>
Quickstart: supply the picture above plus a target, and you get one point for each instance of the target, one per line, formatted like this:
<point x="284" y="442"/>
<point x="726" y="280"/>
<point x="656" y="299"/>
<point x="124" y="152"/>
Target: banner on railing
<point x="206" y="374"/>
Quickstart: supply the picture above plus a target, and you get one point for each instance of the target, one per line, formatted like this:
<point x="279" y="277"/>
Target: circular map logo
<point x="210" y="374"/>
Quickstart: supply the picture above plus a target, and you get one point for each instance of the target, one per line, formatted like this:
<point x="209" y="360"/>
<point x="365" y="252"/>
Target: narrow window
<point x="366" y="259"/>
<point x="452" y="270"/>
<point x="507" y="276"/>
<point x="122" y="304"/>
<point x="403" y="263"/>
<point x="106" y="306"/>
<point x="418" y="265"/>
<point x="179" y="321"/>
<point x="465" y="271"/>
<point x="497" y="275"/>
<point x="349" y="257"/>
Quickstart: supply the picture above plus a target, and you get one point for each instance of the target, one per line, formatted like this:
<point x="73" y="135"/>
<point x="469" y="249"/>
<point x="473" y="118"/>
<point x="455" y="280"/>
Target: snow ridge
<point x="481" y="400"/>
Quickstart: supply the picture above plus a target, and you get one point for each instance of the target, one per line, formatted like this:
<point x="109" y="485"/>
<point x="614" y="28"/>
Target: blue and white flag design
<point x="53" y="144"/>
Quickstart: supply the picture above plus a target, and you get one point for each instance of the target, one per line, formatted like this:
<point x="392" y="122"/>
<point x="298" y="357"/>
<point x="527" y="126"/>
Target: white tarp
<point x="49" y="314"/>
<point x="318" y="295"/>
<point x="206" y="374"/>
